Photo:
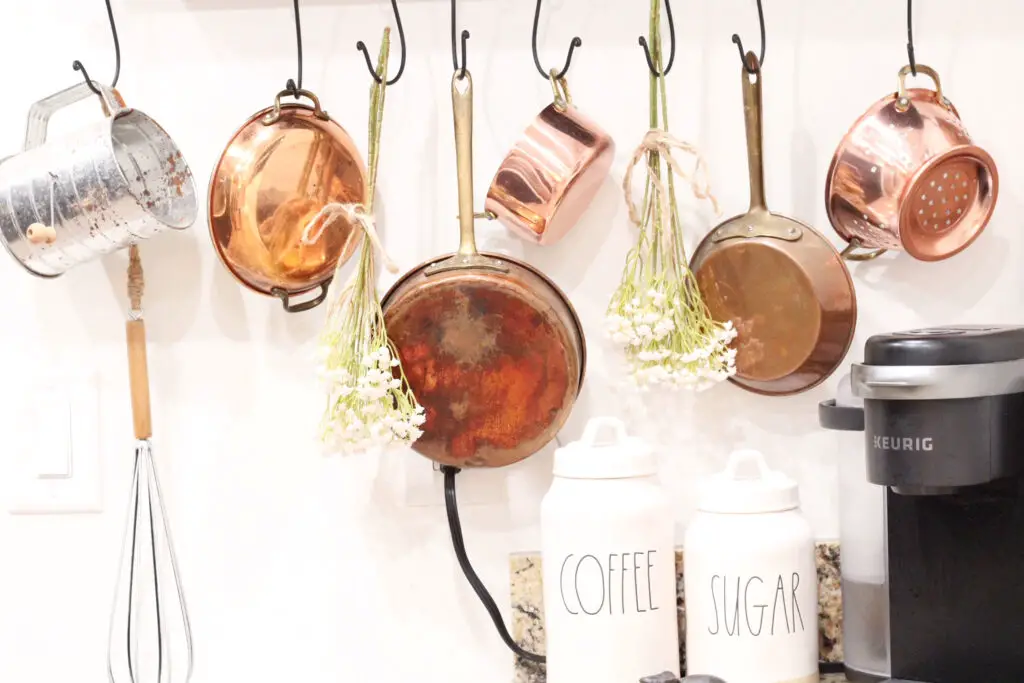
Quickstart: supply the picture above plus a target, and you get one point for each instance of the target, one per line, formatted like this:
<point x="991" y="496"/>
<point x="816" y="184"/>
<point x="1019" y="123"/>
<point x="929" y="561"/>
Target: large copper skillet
<point x="280" y="169"/>
<point x="491" y="347"/>
<point x="780" y="282"/>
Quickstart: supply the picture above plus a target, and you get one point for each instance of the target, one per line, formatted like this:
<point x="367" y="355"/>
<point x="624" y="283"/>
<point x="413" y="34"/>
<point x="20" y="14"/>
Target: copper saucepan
<point x="551" y="175"/>
<point x="492" y="348"/>
<point x="908" y="176"/>
<point x="280" y="170"/>
<point x="780" y="282"/>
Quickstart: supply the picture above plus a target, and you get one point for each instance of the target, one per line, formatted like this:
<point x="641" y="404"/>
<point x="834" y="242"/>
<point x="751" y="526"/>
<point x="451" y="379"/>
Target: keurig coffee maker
<point x="943" y="428"/>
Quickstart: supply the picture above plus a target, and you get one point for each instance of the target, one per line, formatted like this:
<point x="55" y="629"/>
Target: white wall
<point x="305" y="568"/>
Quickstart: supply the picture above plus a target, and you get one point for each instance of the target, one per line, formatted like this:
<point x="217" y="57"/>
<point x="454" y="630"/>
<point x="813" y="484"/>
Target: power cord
<point x="451" y="505"/>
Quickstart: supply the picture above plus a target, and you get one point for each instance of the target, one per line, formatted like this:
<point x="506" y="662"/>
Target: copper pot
<point x="491" y="347"/>
<point x="908" y="176"/>
<point x="280" y="169"/>
<point x="551" y="175"/>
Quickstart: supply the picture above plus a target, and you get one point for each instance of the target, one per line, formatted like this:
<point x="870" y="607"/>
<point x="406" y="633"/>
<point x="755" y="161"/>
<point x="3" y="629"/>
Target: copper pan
<point x="780" y="282"/>
<point x="908" y="176"/>
<point x="492" y="348"/>
<point x="285" y="164"/>
<point x="551" y="175"/>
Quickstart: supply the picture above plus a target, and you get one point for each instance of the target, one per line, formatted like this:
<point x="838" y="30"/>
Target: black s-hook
<point x="455" y="55"/>
<point x="739" y="43"/>
<point x="291" y="86"/>
<point x="361" y="46"/>
<point x="78" y="66"/>
<point x="671" y="37"/>
<point x="575" y="43"/>
<point x="910" y="36"/>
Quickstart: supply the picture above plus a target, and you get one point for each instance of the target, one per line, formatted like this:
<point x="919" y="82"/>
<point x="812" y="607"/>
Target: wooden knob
<point x="38" y="233"/>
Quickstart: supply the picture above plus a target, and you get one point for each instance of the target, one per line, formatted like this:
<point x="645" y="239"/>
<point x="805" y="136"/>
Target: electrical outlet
<point x="424" y="485"/>
<point x="54" y="463"/>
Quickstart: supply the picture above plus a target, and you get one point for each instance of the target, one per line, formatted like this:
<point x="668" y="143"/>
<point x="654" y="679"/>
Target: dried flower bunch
<point x="369" y="404"/>
<point x="657" y="313"/>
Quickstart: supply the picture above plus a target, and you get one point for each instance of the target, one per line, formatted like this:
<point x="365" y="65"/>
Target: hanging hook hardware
<point x="78" y="66"/>
<point x="361" y="46"/>
<point x="575" y="43"/>
<point x="672" y="38"/>
<point x="910" y="37"/>
<point x="293" y="86"/>
<point x="743" y="52"/>
<point x="455" y="55"/>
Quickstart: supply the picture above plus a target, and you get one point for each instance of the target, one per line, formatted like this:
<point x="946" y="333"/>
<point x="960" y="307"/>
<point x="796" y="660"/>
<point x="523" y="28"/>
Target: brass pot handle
<point x="903" y="100"/>
<point x="274" y="116"/>
<point x="285" y="298"/>
<point x="849" y="255"/>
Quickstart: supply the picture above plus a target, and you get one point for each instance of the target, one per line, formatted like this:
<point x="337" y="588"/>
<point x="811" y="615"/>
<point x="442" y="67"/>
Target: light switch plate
<point x="54" y="465"/>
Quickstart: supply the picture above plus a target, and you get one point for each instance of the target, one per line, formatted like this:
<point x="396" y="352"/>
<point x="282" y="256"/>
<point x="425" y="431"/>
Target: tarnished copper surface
<point x="272" y="179"/>
<point x="491" y="348"/>
<point x="780" y="282"/>
<point x="549" y="178"/>
<point x="908" y="176"/>
<point x="495" y="358"/>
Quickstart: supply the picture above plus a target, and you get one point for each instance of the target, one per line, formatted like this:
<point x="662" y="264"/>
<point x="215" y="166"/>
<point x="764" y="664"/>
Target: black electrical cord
<point x="451" y="505"/>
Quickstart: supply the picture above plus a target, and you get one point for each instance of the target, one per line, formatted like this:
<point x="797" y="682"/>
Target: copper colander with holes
<point x="908" y="176"/>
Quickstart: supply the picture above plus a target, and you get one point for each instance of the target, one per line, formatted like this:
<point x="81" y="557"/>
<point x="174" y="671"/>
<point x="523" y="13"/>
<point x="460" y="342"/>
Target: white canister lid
<point x="748" y="486"/>
<point x="605" y="451"/>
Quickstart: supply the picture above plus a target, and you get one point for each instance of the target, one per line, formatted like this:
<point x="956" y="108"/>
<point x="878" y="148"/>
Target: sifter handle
<point x="755" y="131"/>
<point x="138" y="377"/>
<point x="40" y="112"/>
<point x="462" y="106"/>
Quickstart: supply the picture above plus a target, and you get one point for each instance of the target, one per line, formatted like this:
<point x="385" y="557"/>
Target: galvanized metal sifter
<point x="68" y="201"/>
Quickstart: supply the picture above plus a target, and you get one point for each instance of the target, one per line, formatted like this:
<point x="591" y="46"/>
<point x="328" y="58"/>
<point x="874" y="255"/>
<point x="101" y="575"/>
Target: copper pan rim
<point x="581" y="346"/>
<point x="980" y="157"/>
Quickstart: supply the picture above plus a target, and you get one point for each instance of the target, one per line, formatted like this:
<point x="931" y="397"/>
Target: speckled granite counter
<point x="528" y="610"/>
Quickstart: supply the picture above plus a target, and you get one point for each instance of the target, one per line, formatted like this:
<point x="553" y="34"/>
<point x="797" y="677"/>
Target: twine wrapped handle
<point x="355" y="213"/>
<point x="663" y="143"/>
<point x="135" y="330"/>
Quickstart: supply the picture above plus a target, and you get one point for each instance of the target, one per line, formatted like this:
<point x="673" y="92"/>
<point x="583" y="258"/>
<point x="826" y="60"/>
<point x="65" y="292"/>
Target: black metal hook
<point x="672" y="39"/>
<point x="455" y="55"/>
<point x="910" y="36"/>
<point x="739" y="43"/>
<point x="575" y="43"/>
<point x="78" y="66"/>
<point x="291" y="86"/>
<point x="361" y="46"/>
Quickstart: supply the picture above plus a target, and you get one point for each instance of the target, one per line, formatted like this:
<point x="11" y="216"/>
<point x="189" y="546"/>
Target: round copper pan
<point x="549" y="178"/>
<point x="492" y="348"/>
<point x="780" y="282"/>
<point x="280" y="169"/>
<point x="908" y="176"/>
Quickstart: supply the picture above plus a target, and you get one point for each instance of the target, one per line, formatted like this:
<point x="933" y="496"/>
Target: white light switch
<point x="55" y="450"/>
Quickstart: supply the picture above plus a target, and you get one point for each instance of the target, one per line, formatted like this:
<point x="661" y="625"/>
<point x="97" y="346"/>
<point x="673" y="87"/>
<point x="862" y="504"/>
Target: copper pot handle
<point x="560" y="91"/>
<point x="275" y="115"/>
<point x="285" y="298"/>
<point x="903" y="100"/>
<point x="754" y="126"/>
<point x="849" y="255"/>
<point x="462" y="104"/>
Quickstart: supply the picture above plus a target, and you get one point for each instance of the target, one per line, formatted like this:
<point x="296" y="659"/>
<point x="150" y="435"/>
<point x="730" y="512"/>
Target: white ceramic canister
<point x="750" y="581"/>
<point x="608" y="558"/>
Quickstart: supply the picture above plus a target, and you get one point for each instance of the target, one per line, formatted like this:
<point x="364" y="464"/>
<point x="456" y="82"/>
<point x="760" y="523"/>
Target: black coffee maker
<point x="943" y="421"/>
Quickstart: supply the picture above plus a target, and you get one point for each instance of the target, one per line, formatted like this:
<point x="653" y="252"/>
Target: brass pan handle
<point x="462" y="105"/>
<point x="903" y="99"/>
<point x="274" y="116"/>
<point x="286" y="300"/>
<point x="849" y="255"/>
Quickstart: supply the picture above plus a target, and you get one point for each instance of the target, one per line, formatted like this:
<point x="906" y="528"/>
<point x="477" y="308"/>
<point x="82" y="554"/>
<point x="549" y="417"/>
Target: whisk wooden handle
<point x="138" y="376"/>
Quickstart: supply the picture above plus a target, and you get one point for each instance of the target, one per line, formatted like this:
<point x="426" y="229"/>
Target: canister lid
<point x="605" y="451"/>
<point x="748" y="486"/>
<point x="950" y="345"/>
